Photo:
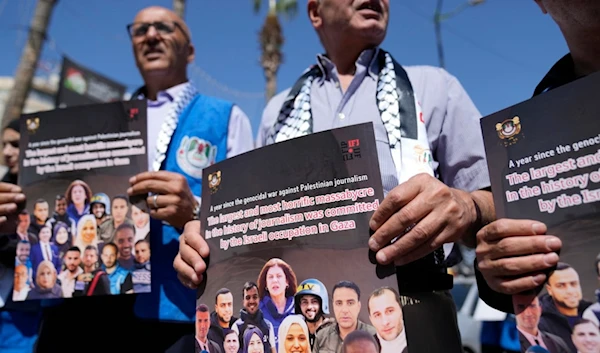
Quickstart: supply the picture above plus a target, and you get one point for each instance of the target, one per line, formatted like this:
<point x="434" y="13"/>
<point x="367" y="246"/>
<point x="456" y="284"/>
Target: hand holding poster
<point x="80" y="235"/>
<point x="287" y="226"/>
<point x="544" y="159"/>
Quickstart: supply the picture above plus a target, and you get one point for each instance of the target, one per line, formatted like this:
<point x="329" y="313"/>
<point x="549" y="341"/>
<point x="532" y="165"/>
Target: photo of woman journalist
<point x="291" y="305"/>
<point x="81" y="244"/>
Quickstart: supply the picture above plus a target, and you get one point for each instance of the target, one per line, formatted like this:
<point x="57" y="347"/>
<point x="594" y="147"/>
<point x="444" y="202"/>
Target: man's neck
<point x="533" y="331"/>
<point x="344" y="332"/>
<point x="313" y="326"/>
<point x="567" y="311"/>
<point x="585" y="51"/>
<point x="40" y="222"/>
<point x="111" y="270"/>
<point x="223" y="324"/>
<point x="204" y="341"/>
<point x="88" y="269"/>
<point x="155" y="85"/>
<point x="118" y="223"/>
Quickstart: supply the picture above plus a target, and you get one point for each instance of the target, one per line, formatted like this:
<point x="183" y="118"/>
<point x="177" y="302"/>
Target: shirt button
<point x="341" y="116"/>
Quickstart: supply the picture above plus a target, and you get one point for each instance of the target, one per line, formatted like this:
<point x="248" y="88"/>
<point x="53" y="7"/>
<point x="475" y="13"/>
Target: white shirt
<point x="67" y="282"/>
<point x="397" y="345"/>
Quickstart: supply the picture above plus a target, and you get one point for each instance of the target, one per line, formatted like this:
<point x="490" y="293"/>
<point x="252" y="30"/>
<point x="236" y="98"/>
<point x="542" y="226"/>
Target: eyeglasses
<point x="14" y="144"/>
<point x="140" y="29"/>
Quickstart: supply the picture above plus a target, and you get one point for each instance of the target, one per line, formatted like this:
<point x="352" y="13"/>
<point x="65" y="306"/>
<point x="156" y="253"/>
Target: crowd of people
<point x="432" y="202"/>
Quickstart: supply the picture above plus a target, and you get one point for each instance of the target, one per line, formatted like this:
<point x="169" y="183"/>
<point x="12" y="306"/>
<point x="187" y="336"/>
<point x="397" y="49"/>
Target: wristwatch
<point x="196" y="212"/>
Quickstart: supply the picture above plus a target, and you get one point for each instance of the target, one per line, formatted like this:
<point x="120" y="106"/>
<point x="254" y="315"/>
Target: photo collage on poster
<point x="80" y="235"/>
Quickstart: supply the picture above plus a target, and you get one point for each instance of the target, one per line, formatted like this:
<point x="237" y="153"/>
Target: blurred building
<point x="41" y="97"/>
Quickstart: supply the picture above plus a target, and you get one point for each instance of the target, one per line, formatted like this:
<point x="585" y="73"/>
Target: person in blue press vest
<point x="187" y="132"/>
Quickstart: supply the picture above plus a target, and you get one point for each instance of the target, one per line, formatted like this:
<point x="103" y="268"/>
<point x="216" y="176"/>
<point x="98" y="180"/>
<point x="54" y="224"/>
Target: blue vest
<point x="205" y="120"/>
<point x="116" y="279"/>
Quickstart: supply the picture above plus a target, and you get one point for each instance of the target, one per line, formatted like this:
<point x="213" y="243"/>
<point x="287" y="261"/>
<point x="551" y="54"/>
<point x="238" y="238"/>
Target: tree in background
<point x="29" y="60"/>
<point x="179" y="7"/>
<point x="271" y="39"/>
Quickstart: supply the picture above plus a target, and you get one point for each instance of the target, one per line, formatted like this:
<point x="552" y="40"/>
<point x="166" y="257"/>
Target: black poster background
<point x="78" y="122"/>
<point x="329" y="257"/>
<point x="95" y="88"/>
<point x="561" y="117"/>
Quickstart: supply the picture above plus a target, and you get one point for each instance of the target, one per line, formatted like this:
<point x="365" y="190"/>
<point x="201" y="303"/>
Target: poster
<point x="79" y="85"/>
<point x="287" y="226"/>
<point x="544" y="162"/>
<point x="80" y="234"/>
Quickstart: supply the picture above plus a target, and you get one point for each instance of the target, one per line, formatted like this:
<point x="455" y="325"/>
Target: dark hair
<point x="346" y="284"/>
<point x="59" y="197"/>
<point x="379" y="292"/>
<point x="122" y="197"/>
<point x="76" y="248"/>
<point x="220" y="292"/>
<point x="24" y="211"/>
<point x="248" y="286"/>
<point x="23" y="241"/>
<point x="358" y="336"/>
<point x="290" y="277"/>
<point x="91" y="247"/>
<point x="14" y="125"/>
<point x="113" y="245"/>
<point x="86" y="188"/>
<point x="202" y="308"/>
<point x="581" y="321"/>
<point x="39" y="201"/>
<point x="124" y="226"/>
<point x="597" y="262"/>
<point x="143" y="240"/>
<point x="562" y="266"/>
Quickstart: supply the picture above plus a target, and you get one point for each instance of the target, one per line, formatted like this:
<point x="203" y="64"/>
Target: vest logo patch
<point x="195" y="154"/>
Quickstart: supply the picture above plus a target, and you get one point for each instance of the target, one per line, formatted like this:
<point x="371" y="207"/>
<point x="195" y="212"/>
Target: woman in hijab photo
<point x="293" y="335"/>
<point x="45" y="283"/>
<point x="253" y="340"/>
<point x="87" y="233"/>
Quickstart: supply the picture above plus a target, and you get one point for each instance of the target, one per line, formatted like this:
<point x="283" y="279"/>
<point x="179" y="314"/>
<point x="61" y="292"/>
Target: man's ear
<point x="541" y="5"/>
<point x="313" y="13"/>
<point x="191" y="53"/>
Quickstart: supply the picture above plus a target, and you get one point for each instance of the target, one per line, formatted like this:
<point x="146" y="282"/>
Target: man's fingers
<point x="517" y="266"/>
<point x="162" y="201"/>
<point x="161" y="175"/>
<point x="395" y="200"/>
<point x="11" y="198"/>
<point x="8" y="208"/>
<point x="153" y="186"/>
<point x="197" y="242"/>
<point x="3" y="219"/>
<point x="401" y="220"/>
<point x="10" y="188"/>
<point x="503" y="228"/>
<point x="521" y="245"/>
<point x="186" y="274"/>
<point x="518" y="285"/>
<point x="442" y="236"/>
<point x="405" y="246"/>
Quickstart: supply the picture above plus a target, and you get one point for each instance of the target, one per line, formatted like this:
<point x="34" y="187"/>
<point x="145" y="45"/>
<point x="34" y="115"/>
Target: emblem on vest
<point x="195" y="154"/>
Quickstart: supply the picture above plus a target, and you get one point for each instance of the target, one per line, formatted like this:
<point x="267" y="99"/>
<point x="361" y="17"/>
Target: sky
<point x="499" y="50"/>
